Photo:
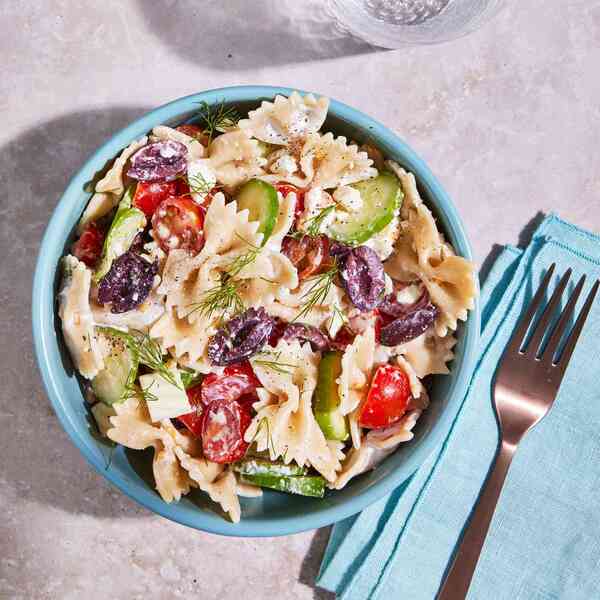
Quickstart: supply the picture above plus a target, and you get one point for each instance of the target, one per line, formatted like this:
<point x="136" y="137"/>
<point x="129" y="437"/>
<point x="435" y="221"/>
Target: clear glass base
<point x="397" y="23"/>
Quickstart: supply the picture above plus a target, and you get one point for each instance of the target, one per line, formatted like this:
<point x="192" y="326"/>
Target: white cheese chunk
<point x="171" y="402"/>
<point x="201" y="177"/>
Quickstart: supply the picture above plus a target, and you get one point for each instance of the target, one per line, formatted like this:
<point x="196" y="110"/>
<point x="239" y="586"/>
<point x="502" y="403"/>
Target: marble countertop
<point x="507" y="118"/>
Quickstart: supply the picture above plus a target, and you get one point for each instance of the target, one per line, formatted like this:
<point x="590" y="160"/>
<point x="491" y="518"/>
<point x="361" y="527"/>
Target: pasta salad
<point x="259" y="302"/>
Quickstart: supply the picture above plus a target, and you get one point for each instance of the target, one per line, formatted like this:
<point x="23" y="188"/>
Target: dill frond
<point x="217" y="119"/>
<point x="318" y="291"/>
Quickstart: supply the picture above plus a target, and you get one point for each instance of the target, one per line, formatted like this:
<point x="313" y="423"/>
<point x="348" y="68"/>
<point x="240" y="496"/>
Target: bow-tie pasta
<point x="261" y="302"/>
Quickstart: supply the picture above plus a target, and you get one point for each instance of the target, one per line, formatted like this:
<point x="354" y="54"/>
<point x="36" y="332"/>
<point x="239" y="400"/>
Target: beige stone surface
<point x="508" y="118"/>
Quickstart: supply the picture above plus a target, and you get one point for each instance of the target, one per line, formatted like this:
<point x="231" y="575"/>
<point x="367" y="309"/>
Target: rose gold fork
<point x="526" y="384"/>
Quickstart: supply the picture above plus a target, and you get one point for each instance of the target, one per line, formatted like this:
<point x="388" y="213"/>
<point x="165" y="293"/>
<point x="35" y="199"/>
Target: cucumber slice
<point x="257" y="466"/>
<point x="381" y="197"/>
<point x="260" y="198"/>
<point x="310" y="485"/>
<point x="326" y="400"/>
<point x="120" y="367"/>
<point x="127" y="223"/>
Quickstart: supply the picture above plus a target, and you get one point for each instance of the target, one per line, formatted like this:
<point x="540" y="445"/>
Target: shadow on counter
<point x="39" y="462"/>
<point x="240" y="35"/>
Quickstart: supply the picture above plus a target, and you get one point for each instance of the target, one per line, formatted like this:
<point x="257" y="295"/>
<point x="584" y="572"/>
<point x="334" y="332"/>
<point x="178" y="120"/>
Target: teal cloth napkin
<point x="544" y="541"/>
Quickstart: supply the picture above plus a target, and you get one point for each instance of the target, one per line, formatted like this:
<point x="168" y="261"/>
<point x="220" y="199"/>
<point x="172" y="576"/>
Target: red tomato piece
<point x="195" y="132"/>
<point x="193" y="420"/>
<point x="381" y="320"/>
<point x="236" y="381"/>
<point x="88" y="248"/>
<point x="287" y="188"/>
<point x="148" y="195"/>
<point x="177" y="224"/>
<point x="223" y="431"/>
<point x="344" y="337"/>
<point x="310" y="255"/>
<point x="388" y="398"/>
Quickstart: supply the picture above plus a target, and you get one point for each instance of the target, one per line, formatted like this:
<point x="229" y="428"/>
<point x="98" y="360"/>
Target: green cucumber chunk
<point x="381" y="197"/>
<point x="309" y="485"/>
<point x="260" y="198"/>
<point x="127" y="223"/>
<point x="189" y="377"/>
<point x="326" y="401"/>
<point x="257" y="466"/>
<point x="120" y="367"/>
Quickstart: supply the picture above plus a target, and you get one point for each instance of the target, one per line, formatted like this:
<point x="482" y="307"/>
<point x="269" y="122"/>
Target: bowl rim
<point x="43" y="311"/>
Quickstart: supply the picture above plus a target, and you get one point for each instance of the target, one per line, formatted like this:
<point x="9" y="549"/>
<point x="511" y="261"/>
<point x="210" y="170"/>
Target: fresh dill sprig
<point x="318" y="291"/>
<point x="235" y="267"/>
<point x="197" y="183"/>
<point x="139" y="392"/>
<point x="225" y="297"/>
<point x="339" y="314"/>
<point x="217" y="119"/>
<point x="313" y="225"/>
<point x="222" y="298"/>
<point x="275" y="364"/>
<point x="149" y="353"/>
<point x="270" y="445"/>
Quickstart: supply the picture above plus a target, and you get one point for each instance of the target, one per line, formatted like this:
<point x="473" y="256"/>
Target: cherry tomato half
<point x="310" y="255"/>
<point x="177" y="224"/>
<point x="195" y="132"/>
<point x="148" y="195"/>
<point x="236" y="381"/>
<point x="88" y="248"/>
<point x="388" y="398"/>
<point x="193" y="420"/>
<point x="223" y="429"/>
<point x="287" y="188"/>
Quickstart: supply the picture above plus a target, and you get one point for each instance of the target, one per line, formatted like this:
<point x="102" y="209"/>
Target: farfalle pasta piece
<point x="357" y="461"/>
<point x="235" y="158"/>
<point x="195" y="149"/>
<point x="77" y="320"/>
<point x="132" y="427"/>
<point x="357" y="366"/>
<point x="332" y="162"/>
<point x="110" y="188"/>
<point x="287" y="427"/>
<point x="429" y="353"/>
<point x="421" y="253"/>
<point x="324" y="314"/>
<point x="286" y="119"/>
<point x="212" y="478"/>
<point x="188" y="342"/>
<point x="390" y="437"/>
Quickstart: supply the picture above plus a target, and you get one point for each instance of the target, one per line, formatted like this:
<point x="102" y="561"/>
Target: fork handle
<point x="460" y="573"/>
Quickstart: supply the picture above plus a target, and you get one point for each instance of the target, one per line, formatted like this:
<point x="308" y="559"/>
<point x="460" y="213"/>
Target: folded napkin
<point x="544" y="541"/>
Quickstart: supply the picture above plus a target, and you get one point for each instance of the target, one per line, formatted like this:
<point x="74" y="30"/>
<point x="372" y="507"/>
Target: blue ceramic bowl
<point x="274" y="513"/>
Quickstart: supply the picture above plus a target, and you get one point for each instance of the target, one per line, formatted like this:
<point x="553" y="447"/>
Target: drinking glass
<point x="397" y="23"/>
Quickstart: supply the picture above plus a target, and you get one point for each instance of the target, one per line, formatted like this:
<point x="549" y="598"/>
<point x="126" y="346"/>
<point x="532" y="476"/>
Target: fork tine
<point x="563" y="359"/>
<point x="514" y="345"/>
<point x="542" y="325"/>
<point x="565" y="317"/>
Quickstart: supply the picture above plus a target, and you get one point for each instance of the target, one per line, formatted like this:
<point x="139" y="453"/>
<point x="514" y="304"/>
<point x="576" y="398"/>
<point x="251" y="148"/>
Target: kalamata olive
<point x="361" y="273"/>
<point x="409" y="326"/>
<point x="390" y="305"/>
<point x="127" y="283"/>
<point x="159" y="161"/>
<point x="240" y="338"/>
<point x="318" y="340"/>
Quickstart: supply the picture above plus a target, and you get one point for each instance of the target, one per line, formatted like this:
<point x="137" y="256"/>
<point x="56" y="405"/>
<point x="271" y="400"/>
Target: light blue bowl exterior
<point x="274" y="514"/>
